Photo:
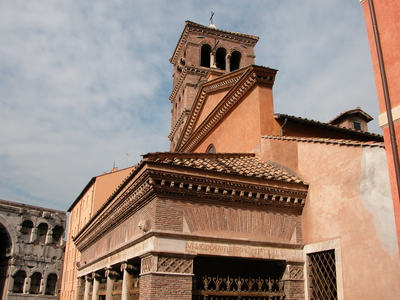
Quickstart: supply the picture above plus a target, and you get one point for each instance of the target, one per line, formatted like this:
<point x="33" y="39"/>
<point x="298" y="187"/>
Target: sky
<point x="85" y="85"/>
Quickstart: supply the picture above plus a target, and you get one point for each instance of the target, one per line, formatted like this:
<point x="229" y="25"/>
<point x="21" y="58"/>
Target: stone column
<point x="49" y="237"/>
<point x="33" y="235"/>
<point x="41" y="286"/>
<point x="228" y="63"/>
<point x="213" y="63"/>
<point x="126" y="270"/>
<point x="96" y="284"/>
<point x="88" y="286"/>
<point x="293" y="281"/>
<point x="167" y="277"/>
<point x="27" y="285"/>
<point x="111" y="276"/>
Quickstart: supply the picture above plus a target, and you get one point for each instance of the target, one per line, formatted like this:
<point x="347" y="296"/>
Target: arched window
<point x="58" y="232"/>
<point x="51" y="284"/>
<point x="36" y="278"/>
<point x="205" y="55"/>
<point x="211" y="149"/>
<point x="235" y="60"/>
<point x="42" y="232"/>
<point x="26" y="230"/>
<point x="19" y="281"/>
<point x="220" y="58"/>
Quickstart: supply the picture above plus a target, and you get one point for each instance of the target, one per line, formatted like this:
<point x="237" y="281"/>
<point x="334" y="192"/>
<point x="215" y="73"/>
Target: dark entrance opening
<point x="5" y="254"/>
<point x="237" y="278"/>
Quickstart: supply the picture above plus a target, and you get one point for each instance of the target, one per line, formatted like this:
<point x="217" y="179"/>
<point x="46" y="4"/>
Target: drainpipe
<point x="283" y="126"/>
<point x="386" y="95"/>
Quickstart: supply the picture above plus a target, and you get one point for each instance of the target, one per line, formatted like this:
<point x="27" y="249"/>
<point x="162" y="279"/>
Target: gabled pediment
<point x="217" y="98"/>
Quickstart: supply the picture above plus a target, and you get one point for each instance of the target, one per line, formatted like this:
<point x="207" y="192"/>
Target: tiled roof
<point x="245" y="164"/>
<point x="357" y="111"/>
<point x="326" y="141"/>
<point x="374" y="136"/>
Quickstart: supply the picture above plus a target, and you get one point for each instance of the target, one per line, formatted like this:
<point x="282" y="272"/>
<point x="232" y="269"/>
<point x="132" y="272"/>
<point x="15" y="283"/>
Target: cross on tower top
<point x="211" y="18"/>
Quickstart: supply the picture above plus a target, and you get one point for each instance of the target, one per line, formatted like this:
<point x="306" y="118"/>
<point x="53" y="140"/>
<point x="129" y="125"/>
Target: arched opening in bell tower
<point x="220" y="58"/>
<point x="235" y="60"/>
<point x="205" y="56"/>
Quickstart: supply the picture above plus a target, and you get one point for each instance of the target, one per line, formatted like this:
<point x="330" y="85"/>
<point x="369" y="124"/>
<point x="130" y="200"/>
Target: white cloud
<point x="82" y="83"/>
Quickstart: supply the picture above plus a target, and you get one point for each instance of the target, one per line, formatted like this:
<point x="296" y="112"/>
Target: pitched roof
<point x="245" y="164"/>
<point x="358" y="111"/>
<point x="372" y="136"/>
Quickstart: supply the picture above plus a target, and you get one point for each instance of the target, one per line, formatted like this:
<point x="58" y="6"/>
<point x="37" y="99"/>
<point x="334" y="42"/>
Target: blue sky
<point x="84" y="84"/>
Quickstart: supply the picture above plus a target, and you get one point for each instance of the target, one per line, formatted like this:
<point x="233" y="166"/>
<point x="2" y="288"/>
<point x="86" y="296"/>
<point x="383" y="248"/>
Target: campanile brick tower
<point x="203" y="53"/>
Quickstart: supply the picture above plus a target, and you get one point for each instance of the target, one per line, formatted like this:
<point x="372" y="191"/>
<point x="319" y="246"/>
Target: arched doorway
<point x="5" y="254"/>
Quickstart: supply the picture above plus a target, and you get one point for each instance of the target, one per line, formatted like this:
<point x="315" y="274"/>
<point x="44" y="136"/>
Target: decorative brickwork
<point x="174" y="264"/>
<point x="294" y="282"/>
<point x="206" y="218"/>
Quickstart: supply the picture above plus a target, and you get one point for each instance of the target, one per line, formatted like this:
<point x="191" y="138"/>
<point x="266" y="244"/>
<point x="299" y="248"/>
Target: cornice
<point x="125" y="205"/>
<point x="202" y="72"/>
<point x="181" y="185"/>
<point x="175" y="184"/>
<point x="180" y="120"/>
<point x="212" y="86"/>
<point x="191" y="27"/>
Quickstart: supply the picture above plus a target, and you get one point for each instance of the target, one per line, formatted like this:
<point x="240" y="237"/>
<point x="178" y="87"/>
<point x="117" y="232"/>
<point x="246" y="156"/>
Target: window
<point x="26" y="230"/>
<point x="235" y="60"/>
<point x="205" y="56"/>
<point x="36" y="279"/>
<point x="51" y="284"/>
<point x="42" y="232"/>
<point x="19" y="282"/>
<point x="357" y="125"/>
<point x="322" y="274"/>
<point x="58" y="232"/>
<point x="211" y="149"/>
<point x="220" y="58"/>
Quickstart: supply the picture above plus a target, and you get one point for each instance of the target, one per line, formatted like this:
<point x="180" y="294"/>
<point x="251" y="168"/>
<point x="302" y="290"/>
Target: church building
<point x="248" y="203"/>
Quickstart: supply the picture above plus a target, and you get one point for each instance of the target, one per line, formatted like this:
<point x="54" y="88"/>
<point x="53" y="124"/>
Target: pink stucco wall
<point x="348" y="200"/>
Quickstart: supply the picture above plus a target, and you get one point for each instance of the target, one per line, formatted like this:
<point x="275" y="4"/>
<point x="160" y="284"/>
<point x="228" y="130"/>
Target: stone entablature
<point x="158" y="178"/>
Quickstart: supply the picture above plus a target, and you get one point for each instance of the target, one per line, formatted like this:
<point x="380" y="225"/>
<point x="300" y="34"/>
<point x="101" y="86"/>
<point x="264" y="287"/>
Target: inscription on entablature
<point x="243" y="251"/>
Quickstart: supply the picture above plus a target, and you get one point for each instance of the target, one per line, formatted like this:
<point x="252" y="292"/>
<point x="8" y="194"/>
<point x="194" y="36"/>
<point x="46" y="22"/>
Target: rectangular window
<point x="357" y="125"/>
<point x="322" y="275"/>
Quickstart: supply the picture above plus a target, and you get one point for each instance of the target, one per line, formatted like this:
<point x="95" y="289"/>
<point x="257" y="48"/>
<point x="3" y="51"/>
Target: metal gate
<point x="228" y="288"/>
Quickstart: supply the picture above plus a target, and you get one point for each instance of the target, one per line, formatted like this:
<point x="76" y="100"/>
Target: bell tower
<point x="202" y="54"/>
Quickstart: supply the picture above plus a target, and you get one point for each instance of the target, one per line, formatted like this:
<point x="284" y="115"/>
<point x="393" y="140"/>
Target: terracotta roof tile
<point x="245" y="164"/>
<point x="326" y="141"/>
<point x="310" y="122"/>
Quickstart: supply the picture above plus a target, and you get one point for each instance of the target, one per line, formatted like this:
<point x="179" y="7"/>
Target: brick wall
<point x="165" y="287"/>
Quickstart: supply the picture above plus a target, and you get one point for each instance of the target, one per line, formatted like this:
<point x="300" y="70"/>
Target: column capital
<point x="110" y="272"/>
<point x="127" y="266"/>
